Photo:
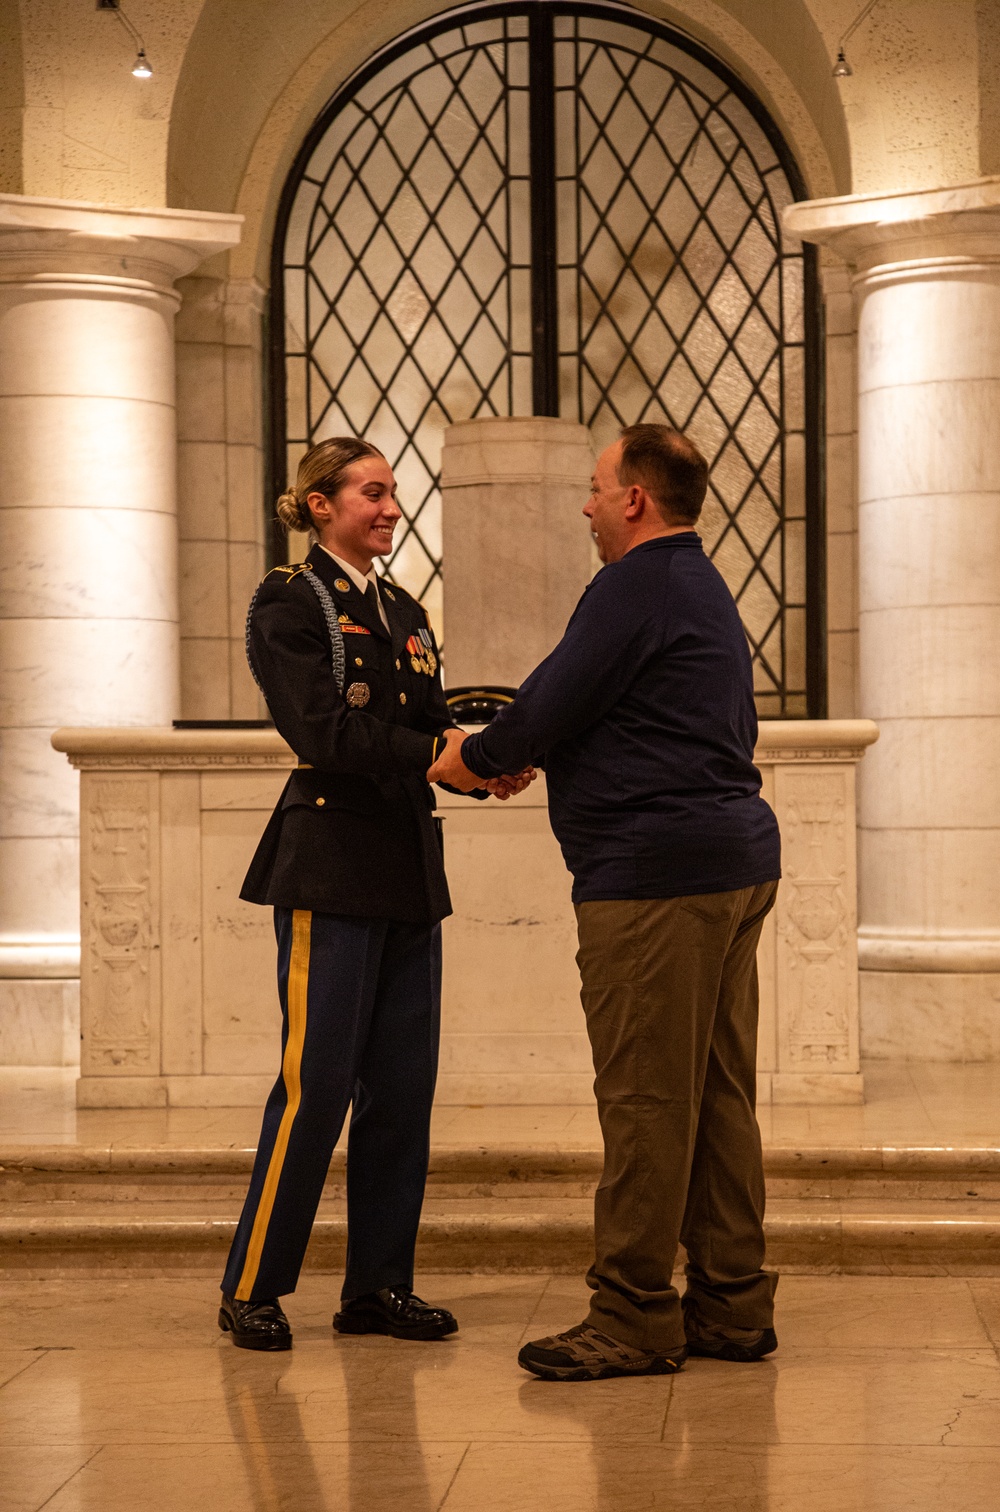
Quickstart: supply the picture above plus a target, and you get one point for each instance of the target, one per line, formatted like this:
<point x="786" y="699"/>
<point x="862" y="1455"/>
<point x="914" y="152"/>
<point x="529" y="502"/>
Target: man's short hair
<point x="670" y="468"/>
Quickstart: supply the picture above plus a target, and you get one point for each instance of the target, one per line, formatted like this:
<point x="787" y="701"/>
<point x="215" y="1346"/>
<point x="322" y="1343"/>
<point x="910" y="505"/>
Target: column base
<point x="39" y="1021"/>
<point x="930" y="1016"/>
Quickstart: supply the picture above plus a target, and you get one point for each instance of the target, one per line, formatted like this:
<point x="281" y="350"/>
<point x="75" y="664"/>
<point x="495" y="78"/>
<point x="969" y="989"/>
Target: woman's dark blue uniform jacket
<point x="643" y="717"/>
<point x="354" y="833"/>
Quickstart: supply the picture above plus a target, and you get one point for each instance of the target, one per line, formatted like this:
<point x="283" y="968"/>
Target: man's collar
<point x="676" y="538"/>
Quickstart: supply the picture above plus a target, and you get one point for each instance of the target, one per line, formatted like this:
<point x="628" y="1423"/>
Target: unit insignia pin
<point x="358" y="695"/>
<point x="342" y="585"/>
<point x="388" y="593"/>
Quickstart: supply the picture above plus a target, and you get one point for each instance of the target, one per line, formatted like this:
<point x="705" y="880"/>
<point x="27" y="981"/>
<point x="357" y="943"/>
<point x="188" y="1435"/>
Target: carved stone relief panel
<point x="120" y="965"/>
<point x="816" y="920"/>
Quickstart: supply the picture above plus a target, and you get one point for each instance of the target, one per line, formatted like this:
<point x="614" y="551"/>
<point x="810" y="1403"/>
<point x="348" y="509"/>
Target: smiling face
<point x="605" y="509"/>
<point x="358" y="523"/>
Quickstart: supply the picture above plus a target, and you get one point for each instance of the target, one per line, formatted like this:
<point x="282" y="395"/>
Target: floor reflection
<point x="392" y="1472"/>
<point x="374" y="1461"/>
<point x="695" y="1464"/>
<point x="266" y="1423"/>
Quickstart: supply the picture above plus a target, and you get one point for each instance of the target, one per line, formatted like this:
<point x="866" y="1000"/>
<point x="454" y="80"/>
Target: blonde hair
<point x="323" y="470"/>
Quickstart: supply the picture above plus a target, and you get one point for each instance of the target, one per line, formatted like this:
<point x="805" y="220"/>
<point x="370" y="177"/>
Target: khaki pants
<point x="670" y="996"/>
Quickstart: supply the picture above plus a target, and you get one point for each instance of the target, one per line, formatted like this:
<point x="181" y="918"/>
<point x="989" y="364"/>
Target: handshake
<point x="450" y="768"/>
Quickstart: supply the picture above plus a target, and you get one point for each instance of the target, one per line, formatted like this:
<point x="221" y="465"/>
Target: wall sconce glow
<point x="141" y="68"/>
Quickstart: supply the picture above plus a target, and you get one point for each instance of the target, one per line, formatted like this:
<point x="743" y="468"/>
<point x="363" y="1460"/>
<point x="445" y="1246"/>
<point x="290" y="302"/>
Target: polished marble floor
<point x="906" y="1101"/>
<point x="120" y="1396"/>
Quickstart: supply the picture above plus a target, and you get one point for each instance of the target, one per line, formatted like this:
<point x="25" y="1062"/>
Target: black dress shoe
<point x="255" y="1325"/>
<point x="394" y="1310"/>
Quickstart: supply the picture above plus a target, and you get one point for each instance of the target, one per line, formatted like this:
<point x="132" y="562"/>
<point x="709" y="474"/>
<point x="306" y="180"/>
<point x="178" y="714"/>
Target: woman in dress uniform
<point x="351" y="863"/>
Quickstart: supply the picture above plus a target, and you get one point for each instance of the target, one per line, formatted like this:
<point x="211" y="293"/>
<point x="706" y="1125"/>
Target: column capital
<point x="52" y="239"/>
<point x="957" y="227"/>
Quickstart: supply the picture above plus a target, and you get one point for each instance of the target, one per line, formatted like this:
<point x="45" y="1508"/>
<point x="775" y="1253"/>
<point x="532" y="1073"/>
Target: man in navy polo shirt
<point x="643" y="717"/>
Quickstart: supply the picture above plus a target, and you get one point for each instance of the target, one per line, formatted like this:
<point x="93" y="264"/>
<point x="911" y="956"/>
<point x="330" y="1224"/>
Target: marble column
<point x="927" y="279"/>
<point x="88" y="548"/>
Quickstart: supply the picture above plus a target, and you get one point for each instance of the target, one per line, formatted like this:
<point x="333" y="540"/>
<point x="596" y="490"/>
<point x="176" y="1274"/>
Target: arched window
<point x="563" y="209"/>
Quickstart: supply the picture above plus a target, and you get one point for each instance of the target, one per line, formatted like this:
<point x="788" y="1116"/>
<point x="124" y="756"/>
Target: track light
<point x="141" y="67"/>
<point x="842" y="69"/>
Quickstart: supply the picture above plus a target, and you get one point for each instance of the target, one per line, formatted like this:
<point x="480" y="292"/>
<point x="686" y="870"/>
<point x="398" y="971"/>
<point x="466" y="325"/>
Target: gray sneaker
<point x="742" y="1345"/>
<point x="583" y="1354"/>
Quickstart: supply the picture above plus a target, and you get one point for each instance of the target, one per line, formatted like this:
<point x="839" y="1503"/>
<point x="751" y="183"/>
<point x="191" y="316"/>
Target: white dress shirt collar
<point x="360" y="579"/>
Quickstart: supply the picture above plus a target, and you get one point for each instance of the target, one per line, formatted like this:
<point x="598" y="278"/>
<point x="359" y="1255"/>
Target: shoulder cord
<point x="337" y="658"/>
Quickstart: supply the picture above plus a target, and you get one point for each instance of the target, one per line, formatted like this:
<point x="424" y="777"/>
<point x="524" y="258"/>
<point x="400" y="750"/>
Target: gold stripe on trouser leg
<point x="291" y="1066"/>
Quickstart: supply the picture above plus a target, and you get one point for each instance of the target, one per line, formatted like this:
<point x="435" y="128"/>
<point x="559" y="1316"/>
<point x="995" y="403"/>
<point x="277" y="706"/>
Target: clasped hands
<point x="450" y="768"/>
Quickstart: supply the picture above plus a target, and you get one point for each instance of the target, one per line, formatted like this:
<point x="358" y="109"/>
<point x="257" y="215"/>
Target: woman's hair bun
<point x="290" y="512"/>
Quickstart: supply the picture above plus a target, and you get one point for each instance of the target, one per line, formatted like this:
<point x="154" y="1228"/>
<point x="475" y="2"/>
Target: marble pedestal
<point x="179" y="1005"/>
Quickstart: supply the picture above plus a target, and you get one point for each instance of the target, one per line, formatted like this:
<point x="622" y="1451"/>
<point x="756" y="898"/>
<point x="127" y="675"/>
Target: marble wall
<point x="220" y="491"/>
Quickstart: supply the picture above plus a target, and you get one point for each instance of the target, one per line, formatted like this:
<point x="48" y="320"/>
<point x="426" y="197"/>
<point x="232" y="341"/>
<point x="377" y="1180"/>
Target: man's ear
<point x="635" y="504"/>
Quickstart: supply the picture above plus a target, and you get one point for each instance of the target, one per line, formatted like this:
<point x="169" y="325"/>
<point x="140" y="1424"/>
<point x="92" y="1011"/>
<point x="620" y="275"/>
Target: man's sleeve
<point x="606" y="643"/>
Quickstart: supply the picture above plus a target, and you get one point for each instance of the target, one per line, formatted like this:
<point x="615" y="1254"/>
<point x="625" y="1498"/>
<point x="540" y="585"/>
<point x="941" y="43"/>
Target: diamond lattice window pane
<point x="759" y="522"/>
<point x="729" y="300"/>
<point x="677" y="126"/>
<point x="728" y="212"/>
<point x="654" y="348"/>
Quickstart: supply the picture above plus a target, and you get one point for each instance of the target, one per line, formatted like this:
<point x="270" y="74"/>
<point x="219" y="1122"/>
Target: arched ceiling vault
<point x="256" y="76"/>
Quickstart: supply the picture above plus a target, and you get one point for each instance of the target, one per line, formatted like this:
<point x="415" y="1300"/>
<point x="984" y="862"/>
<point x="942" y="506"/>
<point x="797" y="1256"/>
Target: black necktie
<point x="371" y="596"/>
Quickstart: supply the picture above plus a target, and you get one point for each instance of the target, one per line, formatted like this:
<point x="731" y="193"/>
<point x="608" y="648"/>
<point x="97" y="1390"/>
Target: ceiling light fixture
<point x="140" y="68"/>
<point x="842" y="69"/>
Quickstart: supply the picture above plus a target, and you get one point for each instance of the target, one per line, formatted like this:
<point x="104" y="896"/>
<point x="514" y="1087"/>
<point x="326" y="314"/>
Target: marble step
<point x="503" y="1234"/>
<point x="130" y="1173"/>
